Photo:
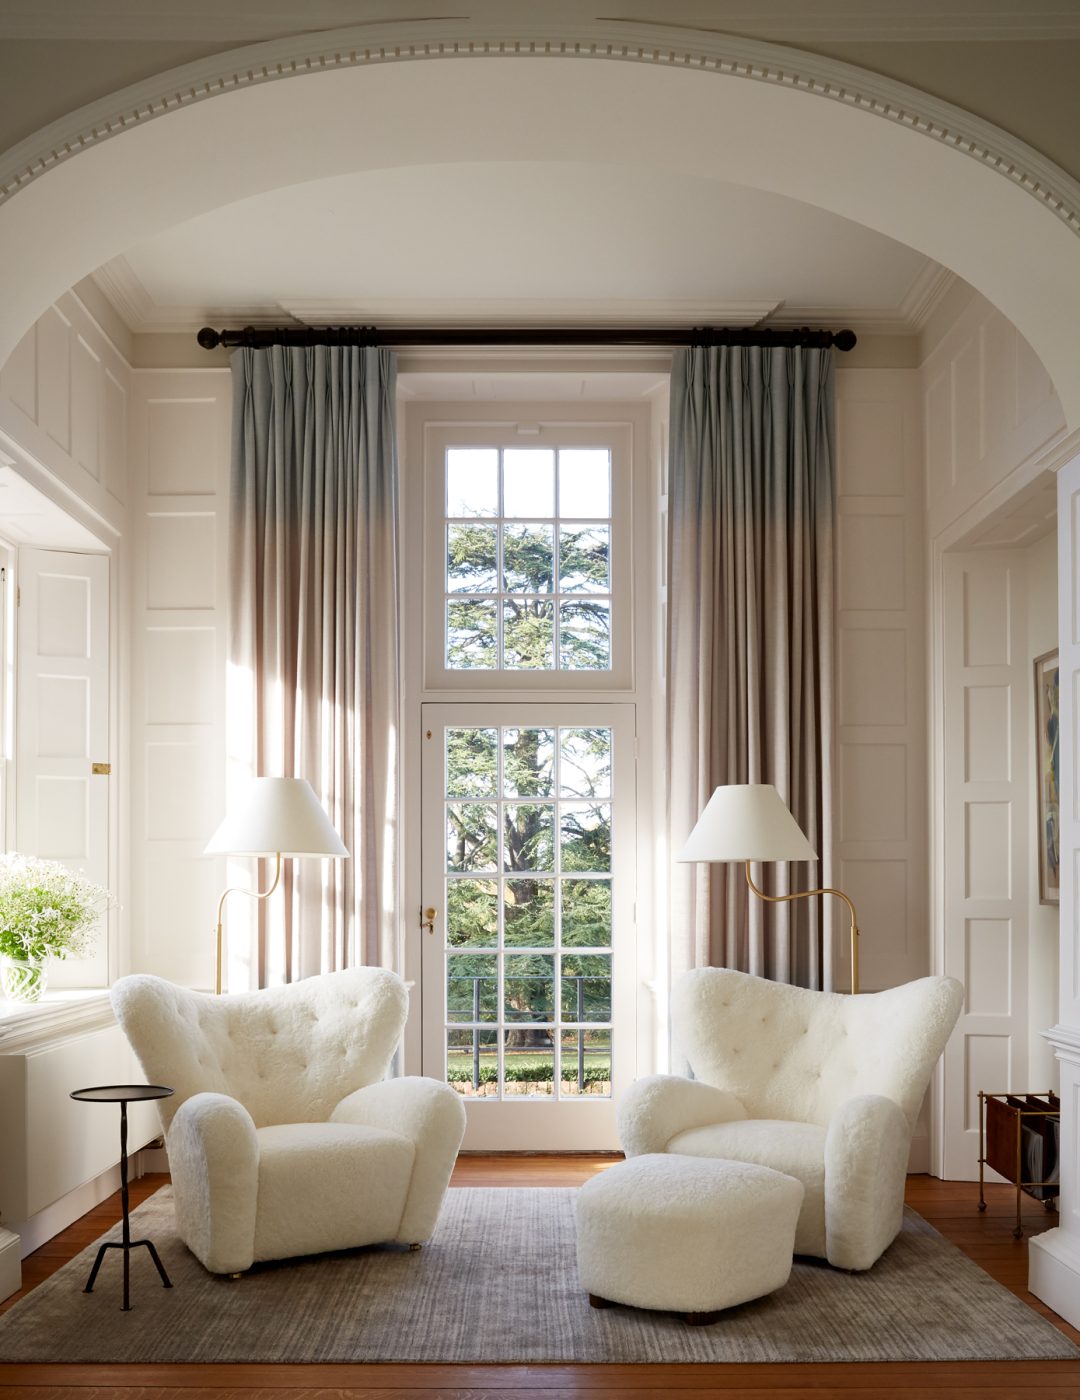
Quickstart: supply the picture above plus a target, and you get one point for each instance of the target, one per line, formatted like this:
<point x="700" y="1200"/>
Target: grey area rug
<point x="498" y="1283"/>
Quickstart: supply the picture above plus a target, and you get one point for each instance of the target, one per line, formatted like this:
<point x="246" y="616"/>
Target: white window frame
<point x="438" y="437"/>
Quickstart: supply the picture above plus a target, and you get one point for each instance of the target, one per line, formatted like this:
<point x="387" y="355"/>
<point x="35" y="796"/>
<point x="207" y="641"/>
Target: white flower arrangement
<point x="46" y="910"/>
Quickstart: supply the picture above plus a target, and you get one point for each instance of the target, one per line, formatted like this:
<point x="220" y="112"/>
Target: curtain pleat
<point x="750" y="641"/>
<point x="314" y="635"/>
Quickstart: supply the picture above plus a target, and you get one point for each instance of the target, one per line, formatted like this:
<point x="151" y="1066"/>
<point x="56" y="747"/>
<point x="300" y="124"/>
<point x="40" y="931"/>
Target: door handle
<point x="427" y="919"/>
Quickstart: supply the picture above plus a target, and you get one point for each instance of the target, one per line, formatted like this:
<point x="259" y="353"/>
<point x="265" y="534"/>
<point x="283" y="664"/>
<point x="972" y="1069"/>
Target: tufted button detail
<point x="734" y="1049"/>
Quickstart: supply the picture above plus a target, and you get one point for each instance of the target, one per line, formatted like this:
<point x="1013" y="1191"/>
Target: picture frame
<point x="1047" y="776"/>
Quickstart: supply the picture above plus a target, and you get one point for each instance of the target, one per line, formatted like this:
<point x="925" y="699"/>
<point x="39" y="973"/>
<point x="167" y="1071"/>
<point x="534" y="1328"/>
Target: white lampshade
<point x="277" y="816"/>
<point x="747" y="821"/>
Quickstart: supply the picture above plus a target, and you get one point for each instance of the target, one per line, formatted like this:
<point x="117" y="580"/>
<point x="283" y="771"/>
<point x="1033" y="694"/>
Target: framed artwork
<point x="1048" y="773"/>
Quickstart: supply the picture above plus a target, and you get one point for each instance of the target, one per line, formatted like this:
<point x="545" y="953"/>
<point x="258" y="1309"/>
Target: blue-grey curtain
<point x="313" y="592"/>
<point x="750" y="641"/>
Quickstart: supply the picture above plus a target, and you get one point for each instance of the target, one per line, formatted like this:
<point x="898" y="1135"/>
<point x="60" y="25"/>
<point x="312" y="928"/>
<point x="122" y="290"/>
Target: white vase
<point x="24" y="980"/>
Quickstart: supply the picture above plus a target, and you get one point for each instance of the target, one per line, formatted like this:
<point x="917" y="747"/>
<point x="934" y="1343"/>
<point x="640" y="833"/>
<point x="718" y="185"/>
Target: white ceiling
<point x="525" y="243"/>
<point x="794" y="21"/>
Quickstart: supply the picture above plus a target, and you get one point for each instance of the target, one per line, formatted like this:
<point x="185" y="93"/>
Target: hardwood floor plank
<point x="949" y="1206"/>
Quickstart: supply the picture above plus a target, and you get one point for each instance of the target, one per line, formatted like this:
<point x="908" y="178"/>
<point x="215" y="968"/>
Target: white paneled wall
<point x="179" y="450"/>
<point x="992" y="427"/>
<point x="881" y="714"/>
<point x="64" y="402"/>
<point x="988" y="407"/>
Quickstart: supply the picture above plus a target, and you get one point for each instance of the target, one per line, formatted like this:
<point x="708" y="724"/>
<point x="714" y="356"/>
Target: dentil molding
<point x="616" y="40"/>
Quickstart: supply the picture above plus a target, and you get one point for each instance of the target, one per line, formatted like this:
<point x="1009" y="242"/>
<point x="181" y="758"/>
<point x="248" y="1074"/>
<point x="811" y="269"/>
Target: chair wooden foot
<point x="595" y="1301"/>
<point x="414" y="1247"/>
<point x="236" y="1275"/>
<point x="705" y="1319"/>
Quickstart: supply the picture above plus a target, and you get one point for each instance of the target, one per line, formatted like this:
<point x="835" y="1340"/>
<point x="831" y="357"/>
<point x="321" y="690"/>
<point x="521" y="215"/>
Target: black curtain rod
<point x="260" y="337"/>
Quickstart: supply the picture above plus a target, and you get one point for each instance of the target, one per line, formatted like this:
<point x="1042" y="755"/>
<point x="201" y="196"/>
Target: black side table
<point x="123" y="1094"/>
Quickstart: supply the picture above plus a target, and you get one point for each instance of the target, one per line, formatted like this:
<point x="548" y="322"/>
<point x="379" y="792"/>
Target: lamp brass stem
<point x="809" y="894"/>
<point x="252" y="894"/>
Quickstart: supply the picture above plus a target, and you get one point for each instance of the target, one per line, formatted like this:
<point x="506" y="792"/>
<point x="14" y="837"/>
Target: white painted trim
<point x="661" y="44"/>
<point x="10" y="1264"/>
<point x="57" y="1017"/>
<point x="41" y="1228"/>
<point x="1054" y="1272"/>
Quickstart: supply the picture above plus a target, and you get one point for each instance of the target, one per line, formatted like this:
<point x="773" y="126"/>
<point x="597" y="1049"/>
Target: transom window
<point x="528" y="576"/>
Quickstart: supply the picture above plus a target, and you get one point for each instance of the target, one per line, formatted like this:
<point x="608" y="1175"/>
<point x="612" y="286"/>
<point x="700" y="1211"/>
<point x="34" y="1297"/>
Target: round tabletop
<point x="121" y="1093"/>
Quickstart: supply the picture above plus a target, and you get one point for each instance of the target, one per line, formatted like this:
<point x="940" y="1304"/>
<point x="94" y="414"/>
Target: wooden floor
<point x="950" y="1206"/>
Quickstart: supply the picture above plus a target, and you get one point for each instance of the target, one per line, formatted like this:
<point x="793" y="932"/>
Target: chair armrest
<point x="214" y="1160"/>
<point x="432" y="1116"/>
<point x="654" y="1109"/>
<point x="866" y="1157"/>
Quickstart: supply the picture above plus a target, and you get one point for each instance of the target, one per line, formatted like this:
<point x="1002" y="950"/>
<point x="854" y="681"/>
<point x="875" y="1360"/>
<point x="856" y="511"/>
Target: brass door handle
<point x="427" y="919"/>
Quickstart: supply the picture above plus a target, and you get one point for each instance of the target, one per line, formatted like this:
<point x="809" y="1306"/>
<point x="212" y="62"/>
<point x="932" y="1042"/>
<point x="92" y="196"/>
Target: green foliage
<point x="46" y="910"/>
<point x="529" y="1070"/>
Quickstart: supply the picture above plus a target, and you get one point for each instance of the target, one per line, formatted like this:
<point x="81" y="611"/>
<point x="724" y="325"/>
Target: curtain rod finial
<point x="209" y="338"/>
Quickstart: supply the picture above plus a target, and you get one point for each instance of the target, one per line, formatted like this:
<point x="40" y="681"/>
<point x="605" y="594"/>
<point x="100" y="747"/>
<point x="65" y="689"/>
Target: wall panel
<point x="179" y="452"/>
<point x="881" y="750"/>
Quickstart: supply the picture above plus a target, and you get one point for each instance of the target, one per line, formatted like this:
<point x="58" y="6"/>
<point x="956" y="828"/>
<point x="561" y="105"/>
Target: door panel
<point x="62" y="727"/>
<point x="528" y="975"/>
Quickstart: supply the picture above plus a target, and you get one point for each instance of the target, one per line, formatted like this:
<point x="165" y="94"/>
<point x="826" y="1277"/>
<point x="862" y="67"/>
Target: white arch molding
<point x="239" y="123"/>
<point x="248" y="120"/>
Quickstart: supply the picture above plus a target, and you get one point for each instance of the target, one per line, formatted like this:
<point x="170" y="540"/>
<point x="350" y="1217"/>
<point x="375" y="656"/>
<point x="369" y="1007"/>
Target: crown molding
<point x="615" y="40"/>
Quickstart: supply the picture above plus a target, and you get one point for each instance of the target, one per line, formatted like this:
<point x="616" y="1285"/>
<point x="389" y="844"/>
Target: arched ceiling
<point x="536" y="242"/>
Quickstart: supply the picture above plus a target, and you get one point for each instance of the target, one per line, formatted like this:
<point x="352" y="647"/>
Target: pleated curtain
<point x="750" y="642"/>
<point x="314" y="637"/>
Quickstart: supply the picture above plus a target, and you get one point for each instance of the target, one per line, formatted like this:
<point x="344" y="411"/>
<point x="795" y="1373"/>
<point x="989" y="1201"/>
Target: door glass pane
<point x="472" y="763"/>
<point x="586" y="836"/>
<point x="472" y="913"/>
<point x="586" y="1061"/>
<point x="528" y="762"/>
<point x="529" y="1060"/>
<point x="529" y="913"/>
<point x="529" y="837"/>
<point x="586" y="987"/>
<point x="472" y="838"/>
<point x="472" y="1062"/>
<point x="586" y="913"/>
<point x="528" y="896"/>
<point x="472" y="987"/>
<point x="586" y="763"/>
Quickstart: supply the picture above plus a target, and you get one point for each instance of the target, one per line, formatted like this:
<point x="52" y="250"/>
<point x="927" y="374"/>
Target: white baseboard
<point x="40" y="1228"/>
<point x="1054" y="1272"/>
<point x="153" y="1159"/>
<point x="10" y="1264"/>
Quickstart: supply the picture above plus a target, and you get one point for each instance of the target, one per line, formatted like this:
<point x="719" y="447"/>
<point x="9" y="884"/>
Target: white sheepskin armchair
<point x="283" y="1136"/>
<point x="822" y="1087"/>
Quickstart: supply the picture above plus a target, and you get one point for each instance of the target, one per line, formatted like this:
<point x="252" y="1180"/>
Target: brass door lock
<point x="427" y="919"/>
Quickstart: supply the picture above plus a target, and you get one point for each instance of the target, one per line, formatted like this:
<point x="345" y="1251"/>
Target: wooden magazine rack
<point x="1018" y="1139"/>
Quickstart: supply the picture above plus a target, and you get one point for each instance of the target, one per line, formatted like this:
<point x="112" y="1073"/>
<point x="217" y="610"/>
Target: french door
<point x="528" y="976"/>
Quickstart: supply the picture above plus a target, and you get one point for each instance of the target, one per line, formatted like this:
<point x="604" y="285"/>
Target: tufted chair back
<point x="788" y="1053"/>
<point x="288" y="1054"/>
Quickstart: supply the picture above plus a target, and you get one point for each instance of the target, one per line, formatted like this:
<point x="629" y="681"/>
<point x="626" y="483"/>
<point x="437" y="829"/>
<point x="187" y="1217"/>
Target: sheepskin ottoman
<point x="685" y="1234"/>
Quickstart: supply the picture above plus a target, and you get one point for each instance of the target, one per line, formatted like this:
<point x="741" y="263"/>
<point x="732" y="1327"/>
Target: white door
<point x="528" y="964"/>
<point x="62" y="726"/>
<point x="988" y="786"/>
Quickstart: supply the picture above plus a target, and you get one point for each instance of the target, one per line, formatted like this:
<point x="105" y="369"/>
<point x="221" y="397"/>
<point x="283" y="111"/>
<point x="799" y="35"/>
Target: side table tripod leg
<point x="165" y="1279"/>
<point x="94" y="1271"/>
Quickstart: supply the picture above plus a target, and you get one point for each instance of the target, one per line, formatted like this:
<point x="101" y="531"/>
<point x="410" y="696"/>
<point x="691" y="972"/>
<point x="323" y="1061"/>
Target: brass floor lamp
<point x="279" y="817"/>
<point x="749" y="821"/>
